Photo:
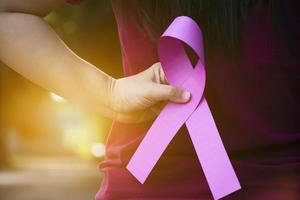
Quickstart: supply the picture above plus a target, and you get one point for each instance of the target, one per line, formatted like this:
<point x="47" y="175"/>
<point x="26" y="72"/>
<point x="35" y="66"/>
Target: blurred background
<point x="50" y="148"/>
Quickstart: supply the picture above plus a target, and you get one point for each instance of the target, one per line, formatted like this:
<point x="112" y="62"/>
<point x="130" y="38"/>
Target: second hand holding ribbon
<point x="196" y="114"/>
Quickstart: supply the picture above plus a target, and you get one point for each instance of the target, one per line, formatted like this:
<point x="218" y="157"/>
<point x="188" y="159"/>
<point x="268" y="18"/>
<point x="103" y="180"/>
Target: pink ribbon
<point x="195" y="114"/>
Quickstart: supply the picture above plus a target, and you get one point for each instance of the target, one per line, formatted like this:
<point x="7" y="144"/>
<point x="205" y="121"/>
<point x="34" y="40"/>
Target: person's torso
<point x="255" y="104"/>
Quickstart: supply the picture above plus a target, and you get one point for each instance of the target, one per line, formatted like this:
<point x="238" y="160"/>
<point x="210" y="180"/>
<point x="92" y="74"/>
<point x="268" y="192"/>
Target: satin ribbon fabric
<point x="196" y="114"/>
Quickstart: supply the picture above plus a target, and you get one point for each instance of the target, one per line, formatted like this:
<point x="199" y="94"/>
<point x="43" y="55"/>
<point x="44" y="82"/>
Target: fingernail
<point x="185" y="95"/>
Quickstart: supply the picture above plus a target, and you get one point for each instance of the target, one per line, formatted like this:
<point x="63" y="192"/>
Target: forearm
<point x="30" y="46"/>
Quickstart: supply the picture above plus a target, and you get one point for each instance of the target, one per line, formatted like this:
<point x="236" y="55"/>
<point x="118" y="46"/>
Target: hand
<point x="142" y="96"/>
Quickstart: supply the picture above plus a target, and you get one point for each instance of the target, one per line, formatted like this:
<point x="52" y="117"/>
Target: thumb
<point x="163" y="92"/>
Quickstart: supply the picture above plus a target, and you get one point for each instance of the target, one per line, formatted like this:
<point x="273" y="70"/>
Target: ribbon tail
<point x="162" y="131"/>
<point x="211" y="153"/>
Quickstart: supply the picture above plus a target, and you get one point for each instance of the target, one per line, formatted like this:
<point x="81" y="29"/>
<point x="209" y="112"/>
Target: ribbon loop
<point x="196" y="114"/>
<point x="187" y="31"/>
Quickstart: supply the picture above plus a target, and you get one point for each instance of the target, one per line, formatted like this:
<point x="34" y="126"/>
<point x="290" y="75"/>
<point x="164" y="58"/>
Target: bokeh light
<point x="98" y="150"/>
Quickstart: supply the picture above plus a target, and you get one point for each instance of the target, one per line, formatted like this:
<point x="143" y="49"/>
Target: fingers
<point x="168" y="92"/>
<point x="164" y="92"/>
<point x="162" y="76"/>
<point x="158" y="74"/>
<point x="161" y="92"/>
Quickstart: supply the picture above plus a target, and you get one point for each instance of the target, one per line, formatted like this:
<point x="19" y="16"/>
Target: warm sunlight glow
<point x="57" y="98"/>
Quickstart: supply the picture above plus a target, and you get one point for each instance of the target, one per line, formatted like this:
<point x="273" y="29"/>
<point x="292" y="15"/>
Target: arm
<point x="30" y="47"/>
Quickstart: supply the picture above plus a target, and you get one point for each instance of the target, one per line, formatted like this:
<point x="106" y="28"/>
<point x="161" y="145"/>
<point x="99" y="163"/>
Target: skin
<point x="29" y="46"/>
